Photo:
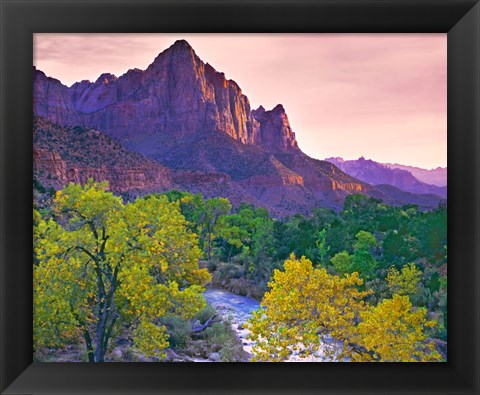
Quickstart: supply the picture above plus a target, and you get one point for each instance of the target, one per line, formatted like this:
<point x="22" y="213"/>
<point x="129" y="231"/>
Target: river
<point x="239" y="309"/>
<point x="236" y="308"/>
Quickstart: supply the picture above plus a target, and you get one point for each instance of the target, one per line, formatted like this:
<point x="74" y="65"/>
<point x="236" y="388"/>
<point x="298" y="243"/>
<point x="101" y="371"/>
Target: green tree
<point x="363" y="261"/>
<point x="233" y="235"/>
<point x="104" y="266"/>
<point x="365" y="241"/>
<point x="203" y="216"/>
<point x="342" y="262"/>
<point x="214" y="208"/>
<point x="250" y="227"/>
<point x="322" y="247"/>
<point x="191" y="207"/>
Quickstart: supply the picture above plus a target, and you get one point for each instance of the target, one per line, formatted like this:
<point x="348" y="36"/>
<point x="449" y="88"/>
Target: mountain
<point x="398" y="197"/>
<point x="74" y="154"/>
<point x="437" y="176"/>
<point x="375" y="173"/>
<point x="176" y="97"/>
<point x="187" y="117"/>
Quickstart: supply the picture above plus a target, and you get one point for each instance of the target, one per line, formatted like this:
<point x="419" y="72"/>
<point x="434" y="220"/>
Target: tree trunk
<point x="88" y="343"/>
<point x="100" y="348"/>
<point x="208" y="245"/>
<point x="106" y="322"/>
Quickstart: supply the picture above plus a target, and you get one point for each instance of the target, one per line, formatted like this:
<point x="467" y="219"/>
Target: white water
<point x="238" y="309"/>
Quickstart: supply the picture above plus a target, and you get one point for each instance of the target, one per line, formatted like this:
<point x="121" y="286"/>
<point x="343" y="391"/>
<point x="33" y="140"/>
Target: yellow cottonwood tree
<point x="310" y="311"/>
<point x="306" y="307"/>
<point x="404" y="282"/>
<point x="102" y="266"/>
<point x="393" y="332"/>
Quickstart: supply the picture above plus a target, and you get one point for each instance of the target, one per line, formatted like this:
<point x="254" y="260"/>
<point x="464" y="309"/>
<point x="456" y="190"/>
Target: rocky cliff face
<point x="275" y="133"/>
<point x="75" y="154"/>
<point x="176" y="96"/>
<point x="63" y="155"/>
<point x="197" y="130"/>
<point x="52" y="170"/>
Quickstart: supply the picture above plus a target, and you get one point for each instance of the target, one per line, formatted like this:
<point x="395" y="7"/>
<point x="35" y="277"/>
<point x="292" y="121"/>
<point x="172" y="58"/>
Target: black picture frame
<point x="21" y="18"/>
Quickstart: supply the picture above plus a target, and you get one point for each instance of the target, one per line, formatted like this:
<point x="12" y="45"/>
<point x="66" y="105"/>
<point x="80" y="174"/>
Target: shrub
<point x="229" y="271"/>
<point x="213" y="264"/>
<point x="218" y="335"/>
<point x="179" y="331"/>
<point x="208" y="312"/>
<point x="232" y="351"/>
<point x="38" y="186"/>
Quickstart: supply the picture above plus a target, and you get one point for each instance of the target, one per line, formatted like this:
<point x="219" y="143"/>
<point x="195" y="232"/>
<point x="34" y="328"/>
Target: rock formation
<point x="176" y="96"/>
<point x="186" y="116"/>
<point x="62" y="155"/>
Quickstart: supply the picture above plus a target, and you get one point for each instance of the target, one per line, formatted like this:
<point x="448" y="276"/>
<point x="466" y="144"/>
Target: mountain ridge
<point x="376" y="173"/>
<point x="436" y="176"/>
<point x="175" y="85"/>
<point x="189" y="118"/>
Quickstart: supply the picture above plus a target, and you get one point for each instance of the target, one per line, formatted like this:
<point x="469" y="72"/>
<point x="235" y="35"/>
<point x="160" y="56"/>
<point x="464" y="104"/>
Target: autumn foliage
<point x="106" y="270"/>
<point x="312" y="312"/>
<point x="102" y="267"/>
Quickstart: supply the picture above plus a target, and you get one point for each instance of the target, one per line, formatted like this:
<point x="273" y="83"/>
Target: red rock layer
<point x="186" y="116"/>
<point x="52" y="170"/>
<point x="176" y="96"/>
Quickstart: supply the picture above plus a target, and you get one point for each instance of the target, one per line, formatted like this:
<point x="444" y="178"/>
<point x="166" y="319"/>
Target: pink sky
<point x="383" y="96"/>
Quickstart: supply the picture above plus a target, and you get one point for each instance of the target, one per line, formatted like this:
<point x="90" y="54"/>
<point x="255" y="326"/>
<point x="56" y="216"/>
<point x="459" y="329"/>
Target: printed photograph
<point x="239" y="197"/>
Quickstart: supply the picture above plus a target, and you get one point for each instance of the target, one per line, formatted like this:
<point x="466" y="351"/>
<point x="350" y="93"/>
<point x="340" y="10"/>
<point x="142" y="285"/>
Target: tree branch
<point x="209" y="322"/>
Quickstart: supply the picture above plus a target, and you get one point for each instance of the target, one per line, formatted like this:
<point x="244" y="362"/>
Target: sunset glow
<point x="381" y="96"/>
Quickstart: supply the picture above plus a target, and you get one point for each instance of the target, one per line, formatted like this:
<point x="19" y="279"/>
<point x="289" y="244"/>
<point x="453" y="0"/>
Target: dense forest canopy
<point x="104" y="268"/>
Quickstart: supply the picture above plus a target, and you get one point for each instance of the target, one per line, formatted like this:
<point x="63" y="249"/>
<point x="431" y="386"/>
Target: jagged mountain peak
<point x="181" y="45"/>
<point x="177" y="46"/>
<point x="276" y="133"/>
<point x="106" y="78"/>
<point x="186" y="115"/>
<point x="279" y="109"/>
<point x="437" y="176"/>
<point x="180" y="48"/>
<point x="176" y="96"/>
<point x="37" y="73"/>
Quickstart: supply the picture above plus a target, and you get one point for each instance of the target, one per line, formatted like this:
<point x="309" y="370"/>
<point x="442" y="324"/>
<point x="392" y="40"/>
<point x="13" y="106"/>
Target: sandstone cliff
<point x="63" y="155"/>
<point x="176" y="96"/>
<point x="198" y="132"/>
<point x="74" y="154"/>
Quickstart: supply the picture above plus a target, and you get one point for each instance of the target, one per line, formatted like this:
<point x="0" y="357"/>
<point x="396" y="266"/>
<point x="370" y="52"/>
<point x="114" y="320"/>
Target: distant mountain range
<point x="437" y="176"/>
<point x="376" y="173"/>
<point x="182" y="124"/>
